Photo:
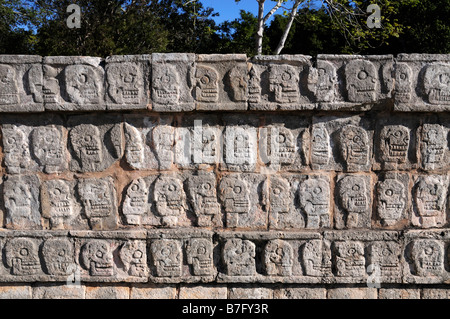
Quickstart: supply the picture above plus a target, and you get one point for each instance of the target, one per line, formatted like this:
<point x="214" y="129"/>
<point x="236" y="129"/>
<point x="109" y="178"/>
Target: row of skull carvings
<point x="334" y="144"/>
<point x="245" y="200"/>
<point x="229" y="257"/>
<point x="184" y="82"/>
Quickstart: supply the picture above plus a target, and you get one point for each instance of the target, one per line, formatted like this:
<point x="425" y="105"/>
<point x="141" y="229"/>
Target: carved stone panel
<point x="392" y="200"/>
<point x="349" y="259"/>
<point x="16" y="147"/>
<point x="385" y="260"/>
<point x="133" y="255"/>
<point x="278" y="258"/>
<point x="322" y="81"/>
<point x="59" y="256"/>
<point x="48" y="148"/>
<point x="240" y="148"/>
<point x="167" y="257"/>
<point x="22" y="257"/>
<point x="316" y="258"/>
<point x="136" y="203"/>
<point x="169" y="199"/>
<point x="314" y="195"/>
<point x="199" y="252"/>
<point x="433" y="146"/>
<point x="239" y="257"/>
<point x="97" y="257"/>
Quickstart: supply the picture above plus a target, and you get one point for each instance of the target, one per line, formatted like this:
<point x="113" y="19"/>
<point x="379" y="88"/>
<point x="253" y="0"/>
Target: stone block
<point x="153" y="291"/>
<point x="15" y="292"/>
<point x="107" y="292"/>
<point x="250" y="292"/>
<point x="435" y="293"/>
<point x="399" y="293"/>
<point x="59" y="291"/>
<point x="352" y="293"/>
<point x="203" y="292"/>
<point x="300" y="293"/>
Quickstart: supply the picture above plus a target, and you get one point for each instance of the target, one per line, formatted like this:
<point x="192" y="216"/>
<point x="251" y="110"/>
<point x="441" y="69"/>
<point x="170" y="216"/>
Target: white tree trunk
<point x="283" y="39"/>
<point x="260" y="31"/>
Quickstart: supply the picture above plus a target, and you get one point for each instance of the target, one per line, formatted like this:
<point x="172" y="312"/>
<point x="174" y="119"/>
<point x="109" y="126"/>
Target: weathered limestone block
<point x="136" y="203"/>
<point x="423" y="84"/>
<point x="21" y="201"/>
<point x="342" y="143"/>
<point x="181" y="256"/>
<point x="21" y="88"/>
<point x="352" y="82"/>
<point x="221" y="82"/>
<point x="425" y="256"/>
<point x="95" y="143"/>
<point x="169" y="199"/>
<point x="239" y="195"/>
<point x="353" y="201"/>
<point x="279" y="83"/>
<point x="393" y="199"/>
<point x="284" y="143"/>
<point x="314" y="195"/>
<point x="98" y="198"/>
<point x="127" y="82"/>
<point x="395" y="143"/>
<point x="22" y="257"/>
<point x="60" y="205"/>
<point x="173" y="80"/>
<point x="430" y="203"/>
<point x="73" y="83"/>
<point x="111" y="256"/>
<point x="59" y="256"/>
<point x="433" y="149"/>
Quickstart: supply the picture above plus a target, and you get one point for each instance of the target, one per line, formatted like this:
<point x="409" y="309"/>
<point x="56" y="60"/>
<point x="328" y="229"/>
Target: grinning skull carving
<point x="284" y="83"/>
<point x="167" y="257"/>
<point x="169" y="198"/>
<point x="134" y="257"/>
<point x="387" y="256"/>
<point x="206" y="145"/>
<point x="234" y="195"/>
<point x="317" y="258"/>
<point x="21" y="255"/>
<point x="432" y="145"/>
<point x="239" y="256"/>
<point x="278" y="258"/>
<point x="86" y="142"/>
<point x="394" y="143"/>
<point x="362" y="81"/>
<point x="254" y="86"/>
<point x="280" y="145"/>
<point x="203" y="195"/>
<point x="50" y="88"/>
<point x="199" y="253"/>
<point x="437" y="83"/>
<point x="134" y="146"/>
<point x="207" y="85"/>
<point x="429" y="196"/>
<point x="125" y="83"/>
<point x="58" y="256"/>
<point x="350" y="261"/>
<point x="18" y="199"/>
<point x="82" y="84"/>
<point x="136" y="201"/>
<point x="391" y="201"/>
<point x="9" y="93"/>
<point x="97" y="197"/>
<point x="48" y="148"/>
<point x="163" y="141"/>
<point x="276" y="196"/>
<point x="322" y="81"/>
<point x="403" y="82"/>
<point x="352" y="192"/>
<point x="314" y="194"/>
<point x="61" y="201"/>
<point x="354" y="146"/>
<point x="240" y="146"/>
<point x="166" y="84"/>
<point x="97" y="257"/>
<point x="428" y="257"/>
<point x="320" y="145"/>
<point x="16" y="148"/>
<point x="237" y="78"/>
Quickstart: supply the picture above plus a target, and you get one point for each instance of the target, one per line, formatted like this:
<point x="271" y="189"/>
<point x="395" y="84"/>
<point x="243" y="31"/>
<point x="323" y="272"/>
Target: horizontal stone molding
<point x="184" y="82"/>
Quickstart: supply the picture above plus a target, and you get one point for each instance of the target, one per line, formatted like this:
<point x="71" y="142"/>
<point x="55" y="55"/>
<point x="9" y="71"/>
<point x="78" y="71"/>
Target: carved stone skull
<point x="9" y="93"/>
<point x="432" y="146"/>
<point x="134" y="145"/>
<point x="60" y="199"/>
<point x="21" y="256"/>
<point x="97" y="257"/>
<point x="136" y="201"/>
<point x="391" y="200"/>
<point x="87" y="144"/>
<point x="167" y="257"/>
<point x="200" y="255"/>
<point x="82" y="84"/>
<point x="314" y="194"/>
<point x="207" y="85"/>
<point x="166" y="84"/>
<point x="281" y="145"/>
<point x="278" y="258"/>
<point x="354" y="145"/>
<point x="437" y="83"/>
<point x="254" y="86"/>
<point x="428" y="257"/>
<point x="50" y="88"/>
<point x="322" y="81"/>
<point x="16" y="148"/>
<point x="134" y="257"/>
<point x="18" y="200"/>
<point x="125" y="83"/>
<point x="277" y="196"/>
<point x="350" y="261"/>
<point x="353" y="194"/>
<point x="169" y="196"/>
<point x="47" y="146"/>
<point x="320" y="145"/>
<point x="237" y="78"/>
<point x="394" y="143"/>
<point x="362" y="81"/>
<point x="97" y="197"/>
<point x="58" y="256"/>
<point x="429" y="195"/>
<point x="234" y="194"/>
<point x="403" y="82"/>
<point x="284" y="83"/>
<point x="239" y="256"/>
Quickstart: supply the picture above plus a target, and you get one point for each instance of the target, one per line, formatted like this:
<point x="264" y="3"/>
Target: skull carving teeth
<point x="437" y="83"/>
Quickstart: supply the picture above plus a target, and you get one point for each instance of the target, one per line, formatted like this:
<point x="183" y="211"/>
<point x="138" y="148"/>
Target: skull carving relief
<point x="82" y="84"/>
<point x="234" y="195"/>
<point x="136" y="201"/>
<point x="60" y="200"/>
<point x="169" y="198"/>
<point x="87" y="145"/>
<point x="280" y="145"/>
<point x="16" y="148"/>
<point x="429" y="196"/>
<point x="21" y="255"/>
<point x="254" y="86"/>
<point x="403" y="82"/>
<point x="167" y="257"/>
<point x="322" y="81"/>
<point x="237" y="78"/>
<point x="200" y="255"/>
<point x="18" y="200"/>
<point x="276" y="196"/>
<point x="432" y="146"/>
<point x="354" y="146"/>
<point x="320" y="145"/>
<point x="278" y="258"/>
<point x="391" y="201"/>
<point x="9" y="92"/>
<point x="50" y="88"/>
<point x="314" y="194"/>
<point x="207" y="85"/>
<point x="134" y="257"/>
<point x="47" y="147"/>
<point x="352" y="195"/>
<point x="428" y="257"/>
<point x="97" y="257"/>
<point x="97" y="197"/>
<point x="239" y="256"/>
<point x="166" y="84"/>
<point x="394" y="143"/>
<point x="437" y="83"/>
<point x="125" y="83"/>
<point x="134" y="146"/>
<point x="387" y="256"/>
<point x="203" y="195"/>
<point x="349" y="259"/>
<point x="284" y="83"/>
<point x="362" y="81"/>
<point x="317" y="258"/>
<point x="164" y="140"/>
<point x="58" y="256"/>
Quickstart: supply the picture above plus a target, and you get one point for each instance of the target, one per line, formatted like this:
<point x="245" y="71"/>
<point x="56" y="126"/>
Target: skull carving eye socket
<point x="352" y="251"/>
<point x="356" y="187"/>
<point x="24" y="252"/>
<point x="99" y="254"/>
<point x="201" y="250"/>
<point x="389" y="192"/>
<point x="62" y="253"/>
<point x="357" y="139"/>
<point x="362" y="75"/>
<point x="165" y="252"/>
<point x="207" y="186"/>
<point x="277" y="190"/>
<point x="286" y="76"/>
<point x="11" y="140"/>
<point x="281" y="138"/>
<point x="444" y="79"/>
<point x="87" y="138"/>
<point x="137" y="254"/>
<point x="403" y="76"/>
<point x="317" y="190"/>
<point x="135" y="188"/>
<point x="429" y="250"/>
<point x="205" y="79"/>
<point x="237" y="189"/>
<point x="56" y="192"/>
<point x="172" y="187"/>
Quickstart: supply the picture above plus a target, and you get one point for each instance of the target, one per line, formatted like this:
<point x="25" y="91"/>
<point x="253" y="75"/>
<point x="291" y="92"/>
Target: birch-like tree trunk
<point x="286" y="31"/>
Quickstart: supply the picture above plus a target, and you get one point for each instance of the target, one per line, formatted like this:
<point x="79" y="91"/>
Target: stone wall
<point x="199" y="176"/>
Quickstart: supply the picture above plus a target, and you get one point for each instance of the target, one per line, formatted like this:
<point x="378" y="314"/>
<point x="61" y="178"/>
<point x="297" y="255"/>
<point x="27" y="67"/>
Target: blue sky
<point x="229" y="9"/>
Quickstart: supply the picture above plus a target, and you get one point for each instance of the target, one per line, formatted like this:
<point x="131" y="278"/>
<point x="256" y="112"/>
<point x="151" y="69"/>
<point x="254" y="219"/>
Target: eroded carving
<point x="125" y="83"/>
<point x="164" y="140"/>
<point x="428" y="257"/>
<point x="50" y="88"/>
<point x="322" y="81"/>
<point x="136" y="202"/>
<point x="278" y="258"/>
<point x="237" y="78"/>
<point x="9" y="92"/>
<point x="203" y="196"/>
<point x="234" y="194"/>
<point x="432" y="145"/>
<point x="437" y="83"/>
<point x="199" y="253"/>
<point x="133" y="254"/>
<point x="21" y="255"/>
<point x="320" y="145"/>
<point x="280" y="147"/>
<point x="314" y="194"/>
<point x="61" y="202"/>
<point x="361" y="81"/>
<point x="284" y="83"/>
<point x="58" y="256"/>
<point x="48" y="148"/>
<point x="167" y="257"/>
<point x="134" y="146"/>
<point x="394" y="143"/>
<point x="391" y="201"/>
<point x="87" y="144"/>
<point x="277" y="197"/>
<point x="239" y="257"/>
<point x="254" y="86"/>
<point x="430" y="195"/>
<point x="169" y="199"/>
<point x="16" y="148"/>
<point x="403" y="82"/>
<point x="97" y="196"/>
<point x="166" y="84"/>
<point x="97" y="257"/>
<point x="353" y="197"/>
<point x="83" y="84"/>
<point x="207" y="84"/>
<point x="349" y="259"/>
<point x="354" y="146"/>
<point x="386" y="255"/>
<point x="317" y="258"/>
